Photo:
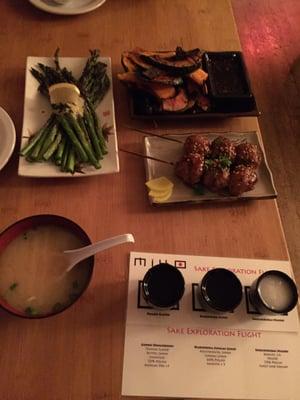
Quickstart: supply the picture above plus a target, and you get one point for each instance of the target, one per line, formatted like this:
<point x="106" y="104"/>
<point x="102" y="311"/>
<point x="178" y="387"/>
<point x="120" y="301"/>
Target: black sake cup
<point x="163" y="286"/>
<point x="220" y="290"/>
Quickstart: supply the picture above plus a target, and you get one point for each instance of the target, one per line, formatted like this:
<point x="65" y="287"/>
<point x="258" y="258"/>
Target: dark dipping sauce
<point x="228" y="82"/>
<point x="228" y="76"/>
<point x="163" y="286"/>
<point x="221" y="290"/>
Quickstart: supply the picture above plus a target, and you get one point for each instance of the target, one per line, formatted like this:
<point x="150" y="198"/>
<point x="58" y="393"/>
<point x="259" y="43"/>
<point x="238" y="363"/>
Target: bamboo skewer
<point x="148" y="157"/>
<point x="154" y="134"/>
<point x="186" y="133"/>
<point x="161" y="137"/>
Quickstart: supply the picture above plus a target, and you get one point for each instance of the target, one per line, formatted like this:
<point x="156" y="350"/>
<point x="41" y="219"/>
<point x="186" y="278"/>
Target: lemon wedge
<point x="162" y="198"/>
<point x="66" y="93"/>
<point x="63" y="93"/>
<point x="161" y="189"/>
<point x="161" y="184"/>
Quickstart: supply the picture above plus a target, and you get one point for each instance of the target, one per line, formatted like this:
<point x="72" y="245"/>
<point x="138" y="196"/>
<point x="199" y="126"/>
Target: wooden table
<point x="78" y="354"/>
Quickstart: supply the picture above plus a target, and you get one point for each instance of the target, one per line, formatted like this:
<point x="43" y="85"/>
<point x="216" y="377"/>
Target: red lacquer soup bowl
<point x="33" y="222"/>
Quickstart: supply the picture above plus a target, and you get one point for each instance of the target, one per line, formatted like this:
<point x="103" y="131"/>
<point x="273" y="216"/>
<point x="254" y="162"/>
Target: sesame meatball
<point x="223" y="147"/>
<point x="242" y="179"/>
<point x="216" y="177"/>
<point x="190" y="168"/>
<point x="248" y="154"/>
<point x="197" y="144"/>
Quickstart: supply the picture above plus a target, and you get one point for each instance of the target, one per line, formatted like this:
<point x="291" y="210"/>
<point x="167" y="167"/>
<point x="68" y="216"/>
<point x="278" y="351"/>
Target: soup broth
<point x="33" y="277"/>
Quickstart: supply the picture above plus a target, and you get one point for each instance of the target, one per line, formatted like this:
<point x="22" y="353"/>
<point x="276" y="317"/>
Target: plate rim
<point x="180" y="116"/>
<point x="8" y="122"/>
<point x="66" y="174"/>
<point x="219" y="199"/>
<point x="62" y="10"/>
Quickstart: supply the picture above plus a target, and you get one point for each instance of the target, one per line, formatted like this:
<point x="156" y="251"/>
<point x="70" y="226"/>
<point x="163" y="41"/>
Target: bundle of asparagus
<point x="73" y="135"/>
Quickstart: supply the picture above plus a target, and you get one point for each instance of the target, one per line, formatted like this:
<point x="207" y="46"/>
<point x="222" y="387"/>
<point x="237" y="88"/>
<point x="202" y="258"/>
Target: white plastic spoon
<point x="73" y="257"/>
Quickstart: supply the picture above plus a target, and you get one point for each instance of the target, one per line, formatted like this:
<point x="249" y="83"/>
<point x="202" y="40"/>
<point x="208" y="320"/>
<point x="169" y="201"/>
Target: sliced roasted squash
<point x="192" y="88"/>
<point x="157" y="75"/>
<point x="127" y="63"/>
<point x="128" y="77"/>
<point x="178" y="54"/>
<point x="177" y="103"/>
<point x="177" y="67"/>
<point x="161" y="91"/>
<point x="136" y="59"/>
<point x="199" y="76"/>
<point x="203" y="102"/>
<point x="162" y="53"/>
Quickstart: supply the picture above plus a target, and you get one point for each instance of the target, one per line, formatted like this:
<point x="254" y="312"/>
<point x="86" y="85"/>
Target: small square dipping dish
<point x="228" y="82"/>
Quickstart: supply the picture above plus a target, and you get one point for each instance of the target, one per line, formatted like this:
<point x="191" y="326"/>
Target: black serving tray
<point x="234" y="103"/>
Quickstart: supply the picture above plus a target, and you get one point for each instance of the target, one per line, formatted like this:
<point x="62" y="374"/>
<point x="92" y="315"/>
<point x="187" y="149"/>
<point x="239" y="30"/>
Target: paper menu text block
<point x="187" y="353"/>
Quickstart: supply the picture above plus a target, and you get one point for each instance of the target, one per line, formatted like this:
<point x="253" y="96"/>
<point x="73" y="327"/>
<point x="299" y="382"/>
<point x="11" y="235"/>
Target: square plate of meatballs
<point x="211" y="167"/>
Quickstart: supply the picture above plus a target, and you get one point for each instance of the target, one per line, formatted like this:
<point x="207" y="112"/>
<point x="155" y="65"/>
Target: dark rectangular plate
<point x="223" y="107"/>
<point x="178" y="116"/>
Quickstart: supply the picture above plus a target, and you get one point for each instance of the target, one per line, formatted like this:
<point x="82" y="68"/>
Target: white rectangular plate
<point x="172" y="151"/>
<point x="37" y="110"/>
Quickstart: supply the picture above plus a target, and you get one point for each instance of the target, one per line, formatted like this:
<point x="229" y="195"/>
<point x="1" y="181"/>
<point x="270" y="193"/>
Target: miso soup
<point x="33" y="277"/>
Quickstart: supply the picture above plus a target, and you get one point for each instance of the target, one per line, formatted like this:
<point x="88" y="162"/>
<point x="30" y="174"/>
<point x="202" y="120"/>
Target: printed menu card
<point x="189" y="352"/>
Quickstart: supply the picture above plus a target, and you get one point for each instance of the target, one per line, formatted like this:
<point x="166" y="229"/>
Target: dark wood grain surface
<point x="78" y="354"/>
<point x="269" y="32"/>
